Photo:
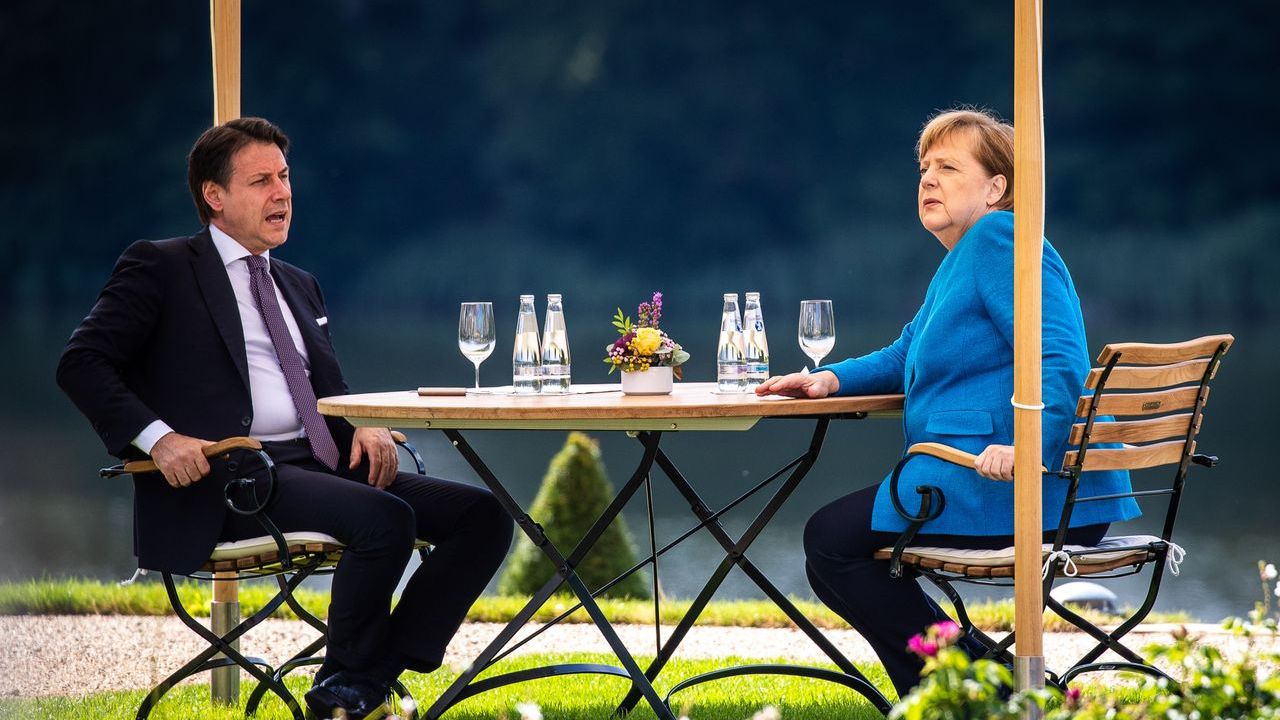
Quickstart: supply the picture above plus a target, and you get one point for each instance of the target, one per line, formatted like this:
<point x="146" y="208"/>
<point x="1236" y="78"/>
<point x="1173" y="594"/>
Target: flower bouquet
<point x="647" y="357"/>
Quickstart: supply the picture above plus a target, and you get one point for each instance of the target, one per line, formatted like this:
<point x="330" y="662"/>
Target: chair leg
<point x="307" y="655"/>
<point x="1111" y="641"/>
<point x="995" y="650"/>
<point x="219" y="644"/>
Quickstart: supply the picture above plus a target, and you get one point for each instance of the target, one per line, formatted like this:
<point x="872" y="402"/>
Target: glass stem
<point x="477" y="376"/>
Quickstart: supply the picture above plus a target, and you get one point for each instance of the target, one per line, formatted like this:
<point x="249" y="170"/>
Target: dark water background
<point x="454" y="151"/>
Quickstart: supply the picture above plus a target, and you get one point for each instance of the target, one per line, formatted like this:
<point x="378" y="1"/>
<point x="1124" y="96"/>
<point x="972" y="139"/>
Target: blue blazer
<point x="954" y="361"/>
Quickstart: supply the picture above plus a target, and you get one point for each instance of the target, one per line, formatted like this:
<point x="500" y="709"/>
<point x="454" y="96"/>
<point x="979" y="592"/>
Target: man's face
<point x="257" y="204"/>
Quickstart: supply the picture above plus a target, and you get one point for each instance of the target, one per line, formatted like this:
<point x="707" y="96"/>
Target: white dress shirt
<point x="274" y="414"/>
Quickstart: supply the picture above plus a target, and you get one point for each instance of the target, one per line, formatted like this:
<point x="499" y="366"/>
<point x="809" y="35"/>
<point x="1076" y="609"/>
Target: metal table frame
<point x="735" y="549"/>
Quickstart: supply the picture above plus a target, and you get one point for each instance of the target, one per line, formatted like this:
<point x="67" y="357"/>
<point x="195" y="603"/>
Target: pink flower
<point x="1073" y="698"/>
<point x="922" y="647"/>
<point x="946" y="632"/>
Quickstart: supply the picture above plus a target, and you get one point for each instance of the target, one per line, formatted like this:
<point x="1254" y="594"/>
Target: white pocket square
<point x="322" y="321"/>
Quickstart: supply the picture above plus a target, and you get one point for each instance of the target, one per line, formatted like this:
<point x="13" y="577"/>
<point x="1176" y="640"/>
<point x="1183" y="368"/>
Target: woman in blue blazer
<point x="954" y="362"/>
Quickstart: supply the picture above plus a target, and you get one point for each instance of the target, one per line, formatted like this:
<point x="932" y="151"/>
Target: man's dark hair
<point x="210" y="157"/>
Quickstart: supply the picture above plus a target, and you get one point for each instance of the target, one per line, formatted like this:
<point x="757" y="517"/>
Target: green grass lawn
<point x="577" y="697"/>
<point x="147" y="597"/>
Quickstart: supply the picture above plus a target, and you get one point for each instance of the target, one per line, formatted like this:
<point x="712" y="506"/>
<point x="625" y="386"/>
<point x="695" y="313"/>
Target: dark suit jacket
<point x="164" y="341"/>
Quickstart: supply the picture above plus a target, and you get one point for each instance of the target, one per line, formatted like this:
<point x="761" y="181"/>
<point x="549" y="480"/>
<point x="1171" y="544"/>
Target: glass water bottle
<point x="555" y="349"/>
<point x="731" y="366"/>
<point x="526" y="358"/>
<point x="755" y="344"/>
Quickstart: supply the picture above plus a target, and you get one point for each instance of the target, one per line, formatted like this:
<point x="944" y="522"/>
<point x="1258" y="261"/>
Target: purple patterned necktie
<point x="304" y="397"/>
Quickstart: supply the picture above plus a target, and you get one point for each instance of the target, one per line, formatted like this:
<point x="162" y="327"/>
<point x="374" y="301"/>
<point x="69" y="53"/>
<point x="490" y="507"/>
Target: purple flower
<point x="922" y="647"/>
<point x="656" y="310"/>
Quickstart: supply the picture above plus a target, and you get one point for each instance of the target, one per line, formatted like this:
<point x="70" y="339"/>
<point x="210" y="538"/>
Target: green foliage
<point x="955" y="687"/>
<point x="574" y="492"/>
<point x="621" y="322"/>
<point x="145" y="597"/>
<point x="1212" y="686"/>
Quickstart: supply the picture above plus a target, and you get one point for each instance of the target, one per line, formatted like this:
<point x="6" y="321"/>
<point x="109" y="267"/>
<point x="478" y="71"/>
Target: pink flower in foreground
<point x="922" y="647"/>
<point x="946" y="632"/>
<point x="1073" y="698"/>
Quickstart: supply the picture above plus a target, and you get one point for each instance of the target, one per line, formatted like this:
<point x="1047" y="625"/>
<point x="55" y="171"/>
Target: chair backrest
<point x="1150" y="400"/>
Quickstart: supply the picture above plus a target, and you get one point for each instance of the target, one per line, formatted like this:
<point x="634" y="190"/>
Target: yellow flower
<point x="647" y="341"/>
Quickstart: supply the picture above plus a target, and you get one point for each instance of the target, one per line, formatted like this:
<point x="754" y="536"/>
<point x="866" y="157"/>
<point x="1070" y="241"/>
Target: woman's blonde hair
<point x="991" y="139"/>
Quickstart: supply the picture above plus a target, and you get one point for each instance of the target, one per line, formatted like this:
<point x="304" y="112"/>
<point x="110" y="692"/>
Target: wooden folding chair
<point x="290" y="558"/>
<point x="1142" y="409"/>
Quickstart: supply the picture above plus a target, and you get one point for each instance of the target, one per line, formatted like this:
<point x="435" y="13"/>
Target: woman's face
<point x="955" y="189"/>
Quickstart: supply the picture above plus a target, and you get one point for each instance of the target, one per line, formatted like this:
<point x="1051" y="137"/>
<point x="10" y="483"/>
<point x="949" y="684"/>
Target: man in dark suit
<point x="199" y="338"/>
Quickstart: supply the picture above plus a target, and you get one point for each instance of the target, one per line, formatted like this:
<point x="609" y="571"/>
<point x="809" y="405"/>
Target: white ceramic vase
<point x="654" y="381"/>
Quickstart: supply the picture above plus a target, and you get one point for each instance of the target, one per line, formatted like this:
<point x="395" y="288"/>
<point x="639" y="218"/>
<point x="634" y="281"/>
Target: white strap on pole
<point x="1024" y="406"/>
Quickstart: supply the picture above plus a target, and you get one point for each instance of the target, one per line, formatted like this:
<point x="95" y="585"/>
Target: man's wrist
<point x="150" y="435"/>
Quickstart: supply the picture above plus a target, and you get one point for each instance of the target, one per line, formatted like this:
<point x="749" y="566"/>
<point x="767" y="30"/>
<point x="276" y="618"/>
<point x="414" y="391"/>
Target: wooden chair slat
<point x="1135" y="431"/>
<point x="1140" y="377"/>
<point x="1153" y="403"/>
<point x="1129" y="458"/>
<point x="1157" y="354"/>
<point x="301" y="554"/>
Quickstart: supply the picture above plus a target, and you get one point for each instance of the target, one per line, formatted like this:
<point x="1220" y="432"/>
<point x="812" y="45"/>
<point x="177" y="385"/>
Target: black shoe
<point x="346" y="695"/>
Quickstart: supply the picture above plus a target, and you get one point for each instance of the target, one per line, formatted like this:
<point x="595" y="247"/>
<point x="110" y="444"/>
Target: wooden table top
<point x="690" y="406"/>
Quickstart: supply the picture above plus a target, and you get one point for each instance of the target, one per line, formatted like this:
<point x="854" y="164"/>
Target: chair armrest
<point x="399" y="439"/>
<point x="944" y="452"/>
<point x="218" y="448"/>
<point x="949" y="454"/>
<point x="932" y="500"/>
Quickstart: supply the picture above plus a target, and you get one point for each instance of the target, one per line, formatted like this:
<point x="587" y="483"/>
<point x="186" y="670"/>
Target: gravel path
<point x="79" y="655"/>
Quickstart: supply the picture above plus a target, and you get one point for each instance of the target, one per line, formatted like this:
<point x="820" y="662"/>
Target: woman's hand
<point x="801" y="385"/>
<point x="995" y="463"/>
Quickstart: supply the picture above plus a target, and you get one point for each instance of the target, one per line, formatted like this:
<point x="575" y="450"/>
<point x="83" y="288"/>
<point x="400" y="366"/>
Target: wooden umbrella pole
<point x="224" y="30"/>
<point x="1028" y="240"/>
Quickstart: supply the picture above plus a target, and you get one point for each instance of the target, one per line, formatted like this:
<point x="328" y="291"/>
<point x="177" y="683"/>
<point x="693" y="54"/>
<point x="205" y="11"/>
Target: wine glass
<point x="476" y="333"/>
<point x="817" y="329"/>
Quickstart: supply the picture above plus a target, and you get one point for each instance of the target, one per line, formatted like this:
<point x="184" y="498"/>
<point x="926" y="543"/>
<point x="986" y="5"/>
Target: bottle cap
<point x="753" y="296"/>
<point x="553" y="297"/>
<point x="731" y="297"/>
<point x="526" y="298"/>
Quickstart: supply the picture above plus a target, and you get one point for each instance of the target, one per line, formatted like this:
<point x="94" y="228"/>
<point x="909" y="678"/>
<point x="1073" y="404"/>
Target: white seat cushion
<point x="1112" y="548"/>
<point x="265" y="544"/>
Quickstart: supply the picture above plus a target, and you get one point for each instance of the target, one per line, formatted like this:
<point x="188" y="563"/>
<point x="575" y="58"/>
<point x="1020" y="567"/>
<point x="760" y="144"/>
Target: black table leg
<point x="463" y="687"/>
<point x="735" y="554"/>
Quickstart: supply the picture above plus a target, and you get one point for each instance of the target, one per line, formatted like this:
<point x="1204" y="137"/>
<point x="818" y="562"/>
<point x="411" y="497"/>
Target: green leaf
<point x="621" y="322"/>
<point x="679" y="357"/>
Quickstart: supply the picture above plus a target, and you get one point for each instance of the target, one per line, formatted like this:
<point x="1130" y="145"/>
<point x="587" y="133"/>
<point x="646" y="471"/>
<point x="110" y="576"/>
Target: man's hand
<point x="801" y="385"/>
<point x="377" y="445"/>
<point x="995" y="463"/>
<point x="180" y="459"/>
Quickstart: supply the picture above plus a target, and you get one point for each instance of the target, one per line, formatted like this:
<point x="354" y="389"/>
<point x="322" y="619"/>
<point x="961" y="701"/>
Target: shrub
<point x="956" y="687"/>
<point x="574" y="492"/>
<point x="1212" y="686"/>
